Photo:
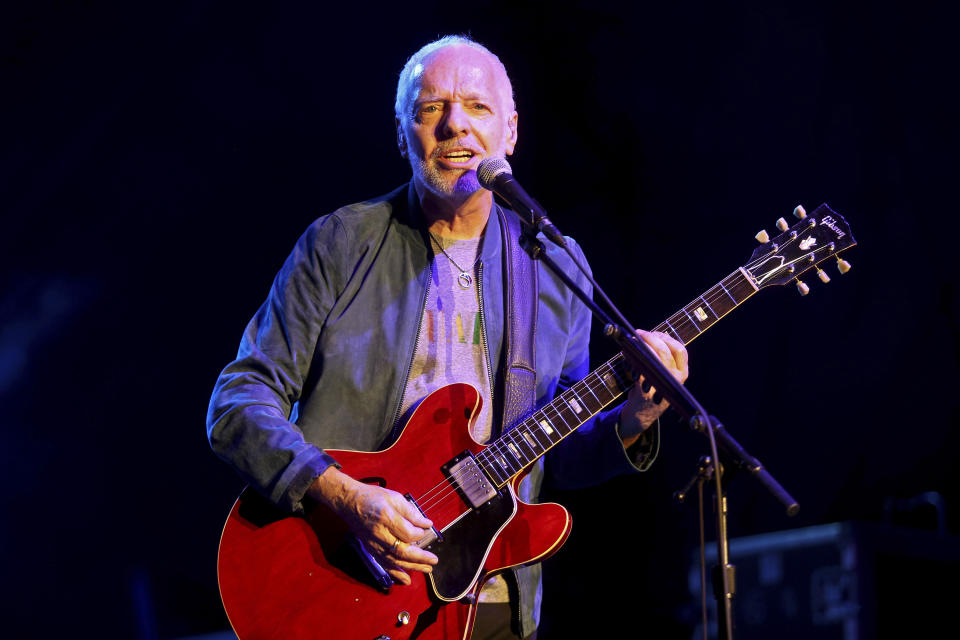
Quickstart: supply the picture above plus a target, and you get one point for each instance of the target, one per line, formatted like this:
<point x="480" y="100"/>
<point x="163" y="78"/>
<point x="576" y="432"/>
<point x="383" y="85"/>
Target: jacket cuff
<point x="644" y="451"/>
<point x="306" y="467"/>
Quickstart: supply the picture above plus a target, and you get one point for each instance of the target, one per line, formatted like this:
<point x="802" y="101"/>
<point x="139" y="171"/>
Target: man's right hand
<point x="384" y="521"/>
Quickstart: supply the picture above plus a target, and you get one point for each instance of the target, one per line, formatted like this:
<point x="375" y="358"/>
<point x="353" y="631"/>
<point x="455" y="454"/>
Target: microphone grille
<point x="489" y="169"/>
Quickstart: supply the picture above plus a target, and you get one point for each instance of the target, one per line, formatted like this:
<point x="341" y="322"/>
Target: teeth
<point x="459" y="156"/>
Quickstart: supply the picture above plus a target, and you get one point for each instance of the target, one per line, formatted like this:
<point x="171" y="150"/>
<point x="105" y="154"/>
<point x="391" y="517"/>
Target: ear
<point x="401" y="138"/>
<point x="512" y="133"/>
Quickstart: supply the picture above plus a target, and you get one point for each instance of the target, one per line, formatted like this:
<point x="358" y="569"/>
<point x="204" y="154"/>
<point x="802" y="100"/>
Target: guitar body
<point x="292" y="577"/>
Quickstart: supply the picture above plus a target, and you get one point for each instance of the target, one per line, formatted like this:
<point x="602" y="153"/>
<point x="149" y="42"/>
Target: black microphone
<point x="495" y="174"/>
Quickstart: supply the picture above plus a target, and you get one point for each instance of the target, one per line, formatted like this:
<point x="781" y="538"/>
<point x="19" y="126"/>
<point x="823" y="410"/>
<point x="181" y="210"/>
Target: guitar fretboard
<point x="528" y="440"/>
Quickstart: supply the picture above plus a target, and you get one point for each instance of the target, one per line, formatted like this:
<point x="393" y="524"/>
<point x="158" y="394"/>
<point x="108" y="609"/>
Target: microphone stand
<point x="644" y="361"/>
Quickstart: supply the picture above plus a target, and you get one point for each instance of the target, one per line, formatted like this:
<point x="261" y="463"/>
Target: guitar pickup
<point x="469" y="480"/>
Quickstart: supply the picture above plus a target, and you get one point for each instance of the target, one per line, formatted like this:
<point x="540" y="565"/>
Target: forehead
<point x="459" y="71"/>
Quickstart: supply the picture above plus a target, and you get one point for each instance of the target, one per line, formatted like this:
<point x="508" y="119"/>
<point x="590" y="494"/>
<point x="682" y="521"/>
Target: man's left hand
<point x="640" y="411"/>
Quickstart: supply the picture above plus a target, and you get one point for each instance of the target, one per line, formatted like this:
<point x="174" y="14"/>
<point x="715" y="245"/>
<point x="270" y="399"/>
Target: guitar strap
<point x="520" y="312"/>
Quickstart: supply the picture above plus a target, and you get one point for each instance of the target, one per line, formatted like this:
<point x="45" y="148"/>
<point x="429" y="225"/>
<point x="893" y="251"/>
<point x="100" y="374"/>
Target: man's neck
<point x="456" y="218"/>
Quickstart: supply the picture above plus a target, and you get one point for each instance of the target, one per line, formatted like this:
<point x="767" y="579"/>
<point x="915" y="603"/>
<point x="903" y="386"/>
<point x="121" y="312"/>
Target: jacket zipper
<point x="406" y="376"/>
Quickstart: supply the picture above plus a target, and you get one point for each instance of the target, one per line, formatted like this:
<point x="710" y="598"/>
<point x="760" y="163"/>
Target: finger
<point x="655" y="398"/>
<point x="412" y="553"/>
<point x="412" y="557"/>
<point x="657" y="345"/>
<point x="671" y="352"/>
<point x="406" y="565"/>
<point x="645" y="387"/>
<point x="676" y="347"/>
<point x="416" y="523"/>
<point x="399" y="576"/>
<point x="680" y="356"/>
<point x="401" y="550"/>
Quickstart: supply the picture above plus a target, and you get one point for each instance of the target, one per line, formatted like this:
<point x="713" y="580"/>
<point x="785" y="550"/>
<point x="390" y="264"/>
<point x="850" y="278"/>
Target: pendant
<point x="464" y="280"/>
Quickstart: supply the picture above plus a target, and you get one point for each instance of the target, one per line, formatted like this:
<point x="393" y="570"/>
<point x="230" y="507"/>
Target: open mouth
<point x="459" y="156"/>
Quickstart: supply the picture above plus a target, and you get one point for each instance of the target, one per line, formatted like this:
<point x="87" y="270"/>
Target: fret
<point x="611" y="383"/>
<point x="565" y="419"/>
<point x="515" y="453"/>
<point x="535" y="446"/>
<point x="574" y="402"/>
<point x="547" y="427"/>
<point x="686" y="335"/>
<point x="517" y="446"/>
<point x="500" y="460"/>
<point x="563" y="424"/>
<point x="707" y="304"/>
<point x="670" y="326"/>
<point x="718" y="303"/>
<point x="620" y="379"/>
<point x="585" y="384"/>
<point x="690" y="318"/>
<point x="728" y="293"/>
<point x="493" y="470"/>
<point x="702" y="318"/>
<point x="539" y="437"/>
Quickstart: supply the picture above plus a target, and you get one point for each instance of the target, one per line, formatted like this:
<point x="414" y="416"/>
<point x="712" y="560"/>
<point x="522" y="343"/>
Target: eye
<point x="479" y="106"/>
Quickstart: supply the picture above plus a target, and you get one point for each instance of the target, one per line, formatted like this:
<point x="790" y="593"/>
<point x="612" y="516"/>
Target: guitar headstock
<point x="817" y="237"/>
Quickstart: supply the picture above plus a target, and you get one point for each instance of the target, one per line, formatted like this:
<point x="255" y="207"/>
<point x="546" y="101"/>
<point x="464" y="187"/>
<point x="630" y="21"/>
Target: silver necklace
<point x="465" y="280"/>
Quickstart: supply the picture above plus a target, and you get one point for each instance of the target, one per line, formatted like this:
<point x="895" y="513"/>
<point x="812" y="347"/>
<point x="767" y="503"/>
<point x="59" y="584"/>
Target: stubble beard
<point x="446" y="183"/>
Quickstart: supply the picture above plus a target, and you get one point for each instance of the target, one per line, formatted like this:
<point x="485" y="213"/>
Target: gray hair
<point x="407" y="73"/>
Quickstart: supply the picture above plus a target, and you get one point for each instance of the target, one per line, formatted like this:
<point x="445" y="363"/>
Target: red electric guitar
<point x="291" y="577"/>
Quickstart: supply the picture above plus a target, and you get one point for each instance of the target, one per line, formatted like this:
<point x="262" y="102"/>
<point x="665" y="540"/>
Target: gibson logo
<point x="830" y="223"/>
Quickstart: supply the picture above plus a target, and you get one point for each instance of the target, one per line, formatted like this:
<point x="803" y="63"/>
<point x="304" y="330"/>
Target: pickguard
<point x="466" y="543"/>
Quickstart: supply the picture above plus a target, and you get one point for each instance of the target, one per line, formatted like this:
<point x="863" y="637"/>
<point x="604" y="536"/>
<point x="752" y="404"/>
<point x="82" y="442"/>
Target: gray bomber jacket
<point x="324" y="362"/>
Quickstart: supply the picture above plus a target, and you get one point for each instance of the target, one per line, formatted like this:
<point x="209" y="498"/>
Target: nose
<point x="457" y="122"/>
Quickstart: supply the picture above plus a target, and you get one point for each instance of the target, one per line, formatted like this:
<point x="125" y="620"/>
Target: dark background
<point x="157" y="165"/>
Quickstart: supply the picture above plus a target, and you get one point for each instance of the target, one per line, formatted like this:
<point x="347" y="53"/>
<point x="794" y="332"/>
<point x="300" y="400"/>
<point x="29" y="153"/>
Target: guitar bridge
<point x="433" y="534"/>
<point x="469" y="480"/>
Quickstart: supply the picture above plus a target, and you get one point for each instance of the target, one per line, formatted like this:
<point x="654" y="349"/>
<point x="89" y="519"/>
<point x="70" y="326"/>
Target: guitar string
<point x="680" y="320"/>
<point x="501" y="449"/>
<point x="591" y="384"/>
<point x="483" y="458"/>
<point x="483" y="462"/>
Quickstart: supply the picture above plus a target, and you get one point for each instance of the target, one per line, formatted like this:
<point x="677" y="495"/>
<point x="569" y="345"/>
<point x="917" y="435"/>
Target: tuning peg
<point x="763" y="237"/>
<point x="782" y="224"/>
<point x="802" y="287"/>
<point x="800" y="212"/>
<point x="842" y="265"/>
<point x="824" y="278"/>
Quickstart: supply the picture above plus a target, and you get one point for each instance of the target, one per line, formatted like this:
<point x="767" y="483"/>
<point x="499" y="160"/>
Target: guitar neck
<point x="526" y="441"/>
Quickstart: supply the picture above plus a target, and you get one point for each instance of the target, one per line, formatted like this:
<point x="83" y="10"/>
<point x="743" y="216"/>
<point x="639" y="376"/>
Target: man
<point x="409" y="278"/>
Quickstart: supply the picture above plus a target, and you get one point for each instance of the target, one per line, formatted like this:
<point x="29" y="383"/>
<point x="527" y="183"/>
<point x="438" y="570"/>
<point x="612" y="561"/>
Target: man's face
<point x="460" y="111"/>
